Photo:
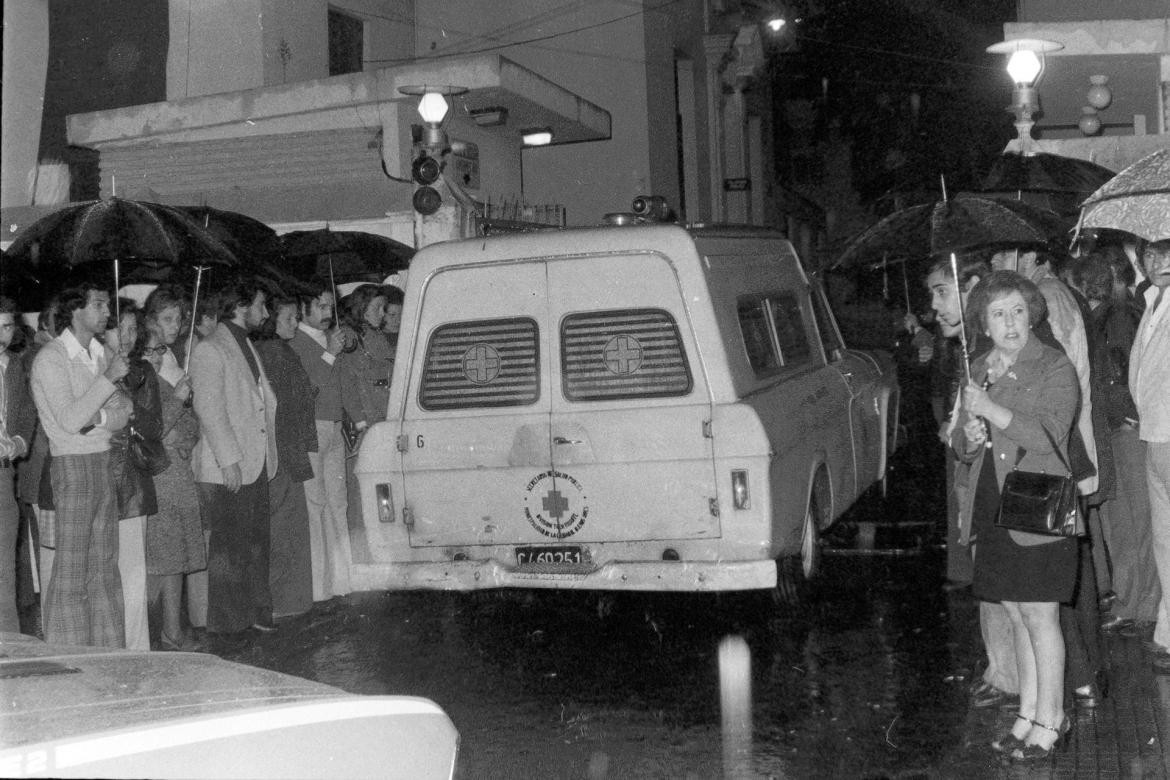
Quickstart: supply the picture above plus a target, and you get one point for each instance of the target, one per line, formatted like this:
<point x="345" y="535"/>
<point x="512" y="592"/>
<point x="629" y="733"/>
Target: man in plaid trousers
<point x="73" y="386"/>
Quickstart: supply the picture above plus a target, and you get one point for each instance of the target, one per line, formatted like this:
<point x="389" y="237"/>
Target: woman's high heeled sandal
<point x="1030" y="753"/>
<point x="1009" y="741"/>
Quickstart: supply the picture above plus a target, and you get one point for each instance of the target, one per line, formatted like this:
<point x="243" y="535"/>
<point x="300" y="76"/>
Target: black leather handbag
<point x="1039" y="503"/>
<point x="146" y="454"/>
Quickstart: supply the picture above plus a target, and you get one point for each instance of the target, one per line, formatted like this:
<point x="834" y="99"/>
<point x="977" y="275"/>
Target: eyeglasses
<point x="159" y="350"/>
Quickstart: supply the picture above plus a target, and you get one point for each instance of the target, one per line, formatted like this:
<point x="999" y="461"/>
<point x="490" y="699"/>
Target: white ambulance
<point x="616" y="408"/>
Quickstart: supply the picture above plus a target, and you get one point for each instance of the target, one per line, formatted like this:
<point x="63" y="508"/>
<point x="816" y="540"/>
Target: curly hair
<point x="164" y="297"/>
<point x="996" y="285"/>
<point x="357" y="302"/>
<point x="1093" y="274"/>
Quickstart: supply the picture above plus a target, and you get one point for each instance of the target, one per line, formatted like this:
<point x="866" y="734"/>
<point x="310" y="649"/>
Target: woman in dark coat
<point x="365" y="374"/>
<point x="135" y="488"/>
<point x="290" y="572"/>
<point x="1019" y="409"/>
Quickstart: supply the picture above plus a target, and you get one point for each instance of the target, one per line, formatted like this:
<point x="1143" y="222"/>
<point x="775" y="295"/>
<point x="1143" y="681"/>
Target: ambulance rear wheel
<point x="794" y="573"/>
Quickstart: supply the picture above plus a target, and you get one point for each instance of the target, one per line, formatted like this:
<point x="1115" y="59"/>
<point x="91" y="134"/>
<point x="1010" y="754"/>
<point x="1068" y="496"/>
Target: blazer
<point x="237" y="415"/>
<point x="1043" y="391"/>
<point x="296" y="428"/>
<point x="323" y="373"/>
<point x="1149" y="370"/>
<point x="21" y="417"/>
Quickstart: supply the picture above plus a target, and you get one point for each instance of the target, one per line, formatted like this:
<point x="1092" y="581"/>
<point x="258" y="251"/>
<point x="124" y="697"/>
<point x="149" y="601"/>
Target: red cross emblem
<point x="481" y="364"/>
<point x="555" y="504"/>
<point x="622" y="354"/>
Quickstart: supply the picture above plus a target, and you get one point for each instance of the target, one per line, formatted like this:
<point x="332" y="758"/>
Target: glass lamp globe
<point x="1024" y="66"/>
<point x="432" y="108"/>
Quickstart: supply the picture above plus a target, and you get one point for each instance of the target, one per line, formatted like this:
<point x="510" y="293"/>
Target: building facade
<point x="296" y="112"/>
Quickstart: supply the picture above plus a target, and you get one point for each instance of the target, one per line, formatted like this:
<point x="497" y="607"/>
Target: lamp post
<point x="430" y="145"/>
<point x="1025" y="66"/>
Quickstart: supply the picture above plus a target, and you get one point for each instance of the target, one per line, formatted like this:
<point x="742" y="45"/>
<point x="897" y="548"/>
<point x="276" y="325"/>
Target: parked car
<point x="96" y="712"/>
<point x="625" y="408"/>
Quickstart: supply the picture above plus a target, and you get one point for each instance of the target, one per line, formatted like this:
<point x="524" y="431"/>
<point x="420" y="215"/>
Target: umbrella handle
<point x="194" y="313"/>
<point x="962" y="319"/>
<point x="118" y="307"/>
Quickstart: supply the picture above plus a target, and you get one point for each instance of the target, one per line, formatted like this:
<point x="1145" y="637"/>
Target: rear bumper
<point x="681" y="576"/>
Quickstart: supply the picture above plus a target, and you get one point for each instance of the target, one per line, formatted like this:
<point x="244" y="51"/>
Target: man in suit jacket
<point x="317" y="343"/>
<point x="1149" y="378"/>
<point x="17" y="418"/>
<point x="235" y="458"/>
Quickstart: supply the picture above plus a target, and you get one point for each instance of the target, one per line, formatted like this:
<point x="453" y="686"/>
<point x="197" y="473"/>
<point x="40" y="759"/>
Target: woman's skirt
<point x="1007" y="571"/>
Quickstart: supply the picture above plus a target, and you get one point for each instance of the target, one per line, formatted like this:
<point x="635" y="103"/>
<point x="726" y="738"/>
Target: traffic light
<point x="425" y="171"/>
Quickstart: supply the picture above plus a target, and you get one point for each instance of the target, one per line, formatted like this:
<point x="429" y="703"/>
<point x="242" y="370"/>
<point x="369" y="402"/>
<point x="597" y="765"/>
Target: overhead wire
<point x="522" y="42"/>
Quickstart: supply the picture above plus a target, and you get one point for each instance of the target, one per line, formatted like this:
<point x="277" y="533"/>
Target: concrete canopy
<point x="490" y="80"/>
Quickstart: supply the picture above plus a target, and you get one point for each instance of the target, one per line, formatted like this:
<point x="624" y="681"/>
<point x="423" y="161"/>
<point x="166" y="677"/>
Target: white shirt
<point x="90" y="355"/>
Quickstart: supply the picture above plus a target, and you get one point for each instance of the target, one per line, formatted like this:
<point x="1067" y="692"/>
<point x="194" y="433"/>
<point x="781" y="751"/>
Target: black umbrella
<point x="115" y="241"/>
<point x="957" y="225"/>
<point x="250" y="240"/>
<point x="343" y="256"/>
<point x="257" y="246"/>
<point x="1051" y="181"/>
<point x="1043" y="172"/>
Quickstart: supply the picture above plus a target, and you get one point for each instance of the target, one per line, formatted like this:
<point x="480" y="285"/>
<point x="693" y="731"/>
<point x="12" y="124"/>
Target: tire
<point x="795" y="573"/>
<point x="892" y="438"/>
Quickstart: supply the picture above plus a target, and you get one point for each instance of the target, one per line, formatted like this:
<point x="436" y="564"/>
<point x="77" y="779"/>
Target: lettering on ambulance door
<point x="629" y="404"/>
<point x="476" y="420"/>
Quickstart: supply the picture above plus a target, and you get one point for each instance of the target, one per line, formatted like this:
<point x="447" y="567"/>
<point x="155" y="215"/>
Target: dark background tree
<point x="906" y="83"/>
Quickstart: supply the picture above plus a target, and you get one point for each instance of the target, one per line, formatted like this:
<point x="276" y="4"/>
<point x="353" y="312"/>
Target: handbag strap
<point x="1020" y="451"/>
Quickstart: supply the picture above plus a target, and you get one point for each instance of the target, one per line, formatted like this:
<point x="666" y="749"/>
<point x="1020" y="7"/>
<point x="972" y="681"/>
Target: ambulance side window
<point x="622" y="353"/>
<point x="830" y="339"/>
<point x="790" y="332"/>
<point x="481" y="363"/>
<point x="774" y="332"/>
<point x="757" y="339"/>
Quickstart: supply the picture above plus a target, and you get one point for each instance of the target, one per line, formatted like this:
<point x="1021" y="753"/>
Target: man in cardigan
<point x="1149" y="378"/>
<point x="17" y="419"/>
<point x="317" y="344"/>
<point x="79" y="405"/>
<point x="235" y="458"/>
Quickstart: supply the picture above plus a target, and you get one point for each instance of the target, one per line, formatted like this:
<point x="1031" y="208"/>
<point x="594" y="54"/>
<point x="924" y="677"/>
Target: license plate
<point x="554" y="555"/>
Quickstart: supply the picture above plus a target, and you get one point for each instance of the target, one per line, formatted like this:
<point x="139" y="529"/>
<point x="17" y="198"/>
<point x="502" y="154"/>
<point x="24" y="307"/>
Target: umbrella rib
<point x="80" y="231"/>
<point x="158" y="225"/>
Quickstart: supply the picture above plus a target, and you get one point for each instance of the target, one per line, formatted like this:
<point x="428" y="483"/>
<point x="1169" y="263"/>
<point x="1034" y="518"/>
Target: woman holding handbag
<point x="1020" y="405"/>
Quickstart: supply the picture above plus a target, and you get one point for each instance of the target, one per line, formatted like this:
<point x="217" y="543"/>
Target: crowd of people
<point x="1066" y="371"/>
<point x="170" y="472"/>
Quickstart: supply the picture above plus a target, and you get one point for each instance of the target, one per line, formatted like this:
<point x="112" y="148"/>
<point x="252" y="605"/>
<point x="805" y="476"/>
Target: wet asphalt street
<point x="867" y="676"/>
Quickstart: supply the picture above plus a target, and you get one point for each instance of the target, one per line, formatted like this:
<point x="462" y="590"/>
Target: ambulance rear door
<point x="631" y="408"/>
<point x="475" y="428"/>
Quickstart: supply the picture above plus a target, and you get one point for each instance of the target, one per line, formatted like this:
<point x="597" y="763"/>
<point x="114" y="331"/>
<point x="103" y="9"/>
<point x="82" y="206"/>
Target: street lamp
<point x="426" y="167"/>
<point x="432" y="107"/>
<point x="1025" y="66"/>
